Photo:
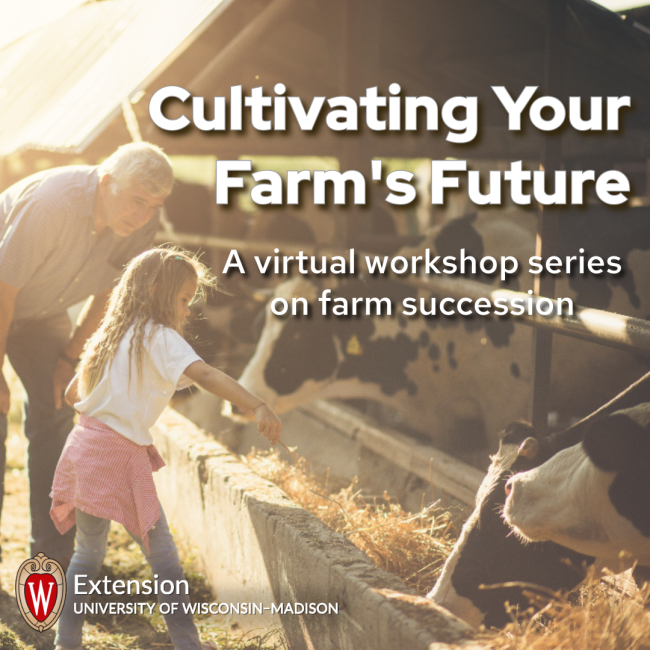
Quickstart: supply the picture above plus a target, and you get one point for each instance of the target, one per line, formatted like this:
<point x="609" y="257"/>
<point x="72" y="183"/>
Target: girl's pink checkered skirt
<point x="106" y="475"/>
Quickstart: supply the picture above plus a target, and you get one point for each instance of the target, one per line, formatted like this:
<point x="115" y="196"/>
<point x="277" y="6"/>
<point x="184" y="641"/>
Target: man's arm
<point x="7" y="302"/>
<point x="87" y="323"/>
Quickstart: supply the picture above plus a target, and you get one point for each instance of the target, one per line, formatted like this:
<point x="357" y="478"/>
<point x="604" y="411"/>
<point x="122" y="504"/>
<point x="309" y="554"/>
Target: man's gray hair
<point x="143" y="163"/>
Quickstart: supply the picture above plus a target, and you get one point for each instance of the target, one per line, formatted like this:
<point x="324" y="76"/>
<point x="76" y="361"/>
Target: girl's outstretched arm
<point x="221" y="385"/>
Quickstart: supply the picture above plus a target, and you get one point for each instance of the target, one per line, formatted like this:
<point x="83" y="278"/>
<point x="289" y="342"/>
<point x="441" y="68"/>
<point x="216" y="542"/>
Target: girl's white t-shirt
<point x="131" y="407"/>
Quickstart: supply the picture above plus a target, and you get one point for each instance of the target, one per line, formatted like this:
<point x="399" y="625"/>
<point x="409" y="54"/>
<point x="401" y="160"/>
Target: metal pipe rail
<point x="595" y="325"/>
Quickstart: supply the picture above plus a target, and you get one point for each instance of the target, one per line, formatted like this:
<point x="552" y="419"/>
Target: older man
<point x="65" y="235"/>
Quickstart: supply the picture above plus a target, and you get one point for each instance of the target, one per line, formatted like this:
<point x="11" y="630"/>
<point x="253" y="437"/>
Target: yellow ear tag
<point x="353" y="347"/>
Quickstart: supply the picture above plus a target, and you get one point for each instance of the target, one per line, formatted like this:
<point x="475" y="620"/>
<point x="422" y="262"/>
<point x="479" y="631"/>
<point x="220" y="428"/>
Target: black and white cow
<point x="593" y="497"/>
<point x="457" y="378"/>
<point x="489" y="553"/>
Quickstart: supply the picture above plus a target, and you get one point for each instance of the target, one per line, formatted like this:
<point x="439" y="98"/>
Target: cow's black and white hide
<point x="593" y="497"/>
<point x="457" y="378"/>
<point x="488" y="554"/>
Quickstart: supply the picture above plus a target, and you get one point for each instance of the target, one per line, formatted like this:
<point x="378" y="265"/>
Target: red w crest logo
<point x="39" y="588"/>
<point x="40" y="591"/>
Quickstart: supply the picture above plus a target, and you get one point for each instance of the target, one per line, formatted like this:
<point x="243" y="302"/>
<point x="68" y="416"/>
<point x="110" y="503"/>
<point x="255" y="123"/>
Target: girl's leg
<point x="164" y="562"/>
<point x="92" y="533"/>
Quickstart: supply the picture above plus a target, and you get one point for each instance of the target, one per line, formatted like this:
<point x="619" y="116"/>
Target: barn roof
<point x="63" y="83"/>
<point x="439" y="48"/>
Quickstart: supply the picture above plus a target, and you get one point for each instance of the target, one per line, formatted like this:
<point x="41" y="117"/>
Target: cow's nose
<point x="508" y="487"/>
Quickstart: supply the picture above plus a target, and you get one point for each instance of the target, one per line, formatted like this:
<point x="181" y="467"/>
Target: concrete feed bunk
<point x="258" y="546"/>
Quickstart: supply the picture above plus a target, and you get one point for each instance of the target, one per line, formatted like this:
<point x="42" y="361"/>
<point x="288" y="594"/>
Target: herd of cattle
<point x="548" y="508"/>
<point x="458" y="380"/>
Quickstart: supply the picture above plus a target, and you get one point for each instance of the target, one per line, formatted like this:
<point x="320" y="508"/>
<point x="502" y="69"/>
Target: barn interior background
<point x="104" y="59"/>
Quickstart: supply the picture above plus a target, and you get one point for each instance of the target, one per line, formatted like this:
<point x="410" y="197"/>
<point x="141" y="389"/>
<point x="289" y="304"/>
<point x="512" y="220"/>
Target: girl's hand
<point x="268" y="423"/>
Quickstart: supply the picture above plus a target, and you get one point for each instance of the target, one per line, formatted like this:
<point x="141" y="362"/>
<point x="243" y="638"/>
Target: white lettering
<point x="41" y="599"/>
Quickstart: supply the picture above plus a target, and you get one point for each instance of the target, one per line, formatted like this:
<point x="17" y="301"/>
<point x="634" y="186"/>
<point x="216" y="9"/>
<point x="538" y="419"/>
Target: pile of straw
<point x="597" y="619"/>
<point x="413" y="547"/>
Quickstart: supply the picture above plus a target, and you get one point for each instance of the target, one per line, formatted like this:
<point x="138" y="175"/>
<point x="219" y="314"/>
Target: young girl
<point x="130" y="369"/>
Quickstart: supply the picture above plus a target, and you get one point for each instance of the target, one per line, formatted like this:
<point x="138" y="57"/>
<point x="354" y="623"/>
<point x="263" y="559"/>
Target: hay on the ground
<point x="596" y="618"/>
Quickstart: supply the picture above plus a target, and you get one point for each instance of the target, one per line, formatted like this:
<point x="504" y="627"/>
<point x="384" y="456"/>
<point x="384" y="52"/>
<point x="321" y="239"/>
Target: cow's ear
<point x="615" y="442"/>
<point x="516" y="432"/>
<point x="529" y="448"/>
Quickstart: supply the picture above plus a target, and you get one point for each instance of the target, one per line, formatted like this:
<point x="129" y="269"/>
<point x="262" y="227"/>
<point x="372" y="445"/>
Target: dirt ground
<point x="123" y="561"/>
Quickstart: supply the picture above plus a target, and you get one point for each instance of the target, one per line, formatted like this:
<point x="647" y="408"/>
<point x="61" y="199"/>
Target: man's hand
<point x="5" y="395"/>
<point x="63" y="374"/>
<point x="7" y="300"/>
<point x="71" y="392"/>
<point x="89" y="320"/>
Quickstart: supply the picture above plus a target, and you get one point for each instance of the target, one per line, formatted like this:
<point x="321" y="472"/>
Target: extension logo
<point x="40" y="591"/>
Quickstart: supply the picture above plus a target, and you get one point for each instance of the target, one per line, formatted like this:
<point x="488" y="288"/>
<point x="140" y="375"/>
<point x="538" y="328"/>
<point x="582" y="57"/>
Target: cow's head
<point x="268" y="376"/>
<point x="301" y="358"/>
<point x="488" y="554"/>
<point x="592" y="497"/>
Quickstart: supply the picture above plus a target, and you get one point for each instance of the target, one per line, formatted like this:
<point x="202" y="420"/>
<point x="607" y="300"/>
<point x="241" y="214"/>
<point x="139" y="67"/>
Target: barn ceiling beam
<point x="241" y="46"/>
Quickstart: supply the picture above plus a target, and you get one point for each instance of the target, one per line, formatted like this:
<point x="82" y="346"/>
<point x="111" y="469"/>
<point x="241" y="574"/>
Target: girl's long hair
<point x="147" y="291"/>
